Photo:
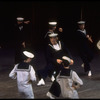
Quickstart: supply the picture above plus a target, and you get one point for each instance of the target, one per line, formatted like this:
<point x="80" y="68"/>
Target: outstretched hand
<point x="59" y="61"/>
<point x="72" y="62"/>
<point x="27" y="22"/>
<point x="60" y="30"/>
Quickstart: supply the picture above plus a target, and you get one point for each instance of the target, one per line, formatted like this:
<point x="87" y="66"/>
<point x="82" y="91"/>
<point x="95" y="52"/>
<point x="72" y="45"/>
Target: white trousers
<point x="26" y="91"/>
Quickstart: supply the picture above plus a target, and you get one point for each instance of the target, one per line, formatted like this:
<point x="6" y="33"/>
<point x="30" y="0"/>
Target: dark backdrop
<point x="67" y="13"/>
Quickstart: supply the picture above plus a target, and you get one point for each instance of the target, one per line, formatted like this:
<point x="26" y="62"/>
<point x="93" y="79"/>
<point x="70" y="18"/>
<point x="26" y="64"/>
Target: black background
<point x="67" y="13"/>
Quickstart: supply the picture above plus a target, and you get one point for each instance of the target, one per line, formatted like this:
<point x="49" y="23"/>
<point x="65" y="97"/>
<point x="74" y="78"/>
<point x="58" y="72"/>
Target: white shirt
<point x="56" y="46"/>
<point x="23" y="77"/>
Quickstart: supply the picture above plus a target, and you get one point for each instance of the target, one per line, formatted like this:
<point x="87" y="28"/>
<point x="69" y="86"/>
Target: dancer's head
<point x="81" y="25"/>
<point x="66" y="62"/>
<point x="53" y="38"/>
<point x="28" y="56"/>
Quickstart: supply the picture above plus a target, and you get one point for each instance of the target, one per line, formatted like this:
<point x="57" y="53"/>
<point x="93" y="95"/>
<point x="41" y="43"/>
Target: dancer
<point x="25" y="74"/>
<point x="66" y="83"/>
<point x="21" y="38"/>
<point x="55" y="50"/>
<point x="53" y="29"/>
<point x="84" y="48"/>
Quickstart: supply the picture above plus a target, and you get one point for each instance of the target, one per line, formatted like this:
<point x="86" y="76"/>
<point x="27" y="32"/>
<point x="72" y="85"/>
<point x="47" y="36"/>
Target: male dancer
<point x="25" y="74"/>
<point x="83" y="47"/>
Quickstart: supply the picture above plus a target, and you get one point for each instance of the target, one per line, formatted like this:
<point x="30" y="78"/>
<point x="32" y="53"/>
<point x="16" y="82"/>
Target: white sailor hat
<point x="53" y="23"/>
<point x="20" y="18"/>
<point x="53" y="35"/>
<point x="28" y="54"/>
<point x="66" y="58"/>
<point x="81" y="22"/>
<point x="98" y="44"/>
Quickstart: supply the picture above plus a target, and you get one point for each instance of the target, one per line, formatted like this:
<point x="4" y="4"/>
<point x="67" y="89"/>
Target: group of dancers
<point x="65" y="81"/>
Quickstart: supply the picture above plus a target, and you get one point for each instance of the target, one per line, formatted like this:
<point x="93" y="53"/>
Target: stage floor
<point x="8" y="87"/>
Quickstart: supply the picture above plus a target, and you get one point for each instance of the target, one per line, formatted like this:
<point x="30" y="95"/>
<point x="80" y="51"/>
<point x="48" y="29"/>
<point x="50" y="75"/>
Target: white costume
<point x="66" y="83"/>
<point x="24" y="78"/>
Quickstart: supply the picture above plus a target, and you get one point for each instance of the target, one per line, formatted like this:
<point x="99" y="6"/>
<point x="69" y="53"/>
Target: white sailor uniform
<point x="24" y="78"/>
<point x="66" y="83"/>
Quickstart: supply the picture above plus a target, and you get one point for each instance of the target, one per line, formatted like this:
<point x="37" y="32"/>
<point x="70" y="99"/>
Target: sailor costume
<point x="25" y="74"/>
